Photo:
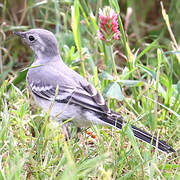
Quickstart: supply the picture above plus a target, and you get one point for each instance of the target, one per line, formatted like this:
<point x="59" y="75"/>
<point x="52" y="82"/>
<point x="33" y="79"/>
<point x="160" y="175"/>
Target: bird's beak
<point x="21" y="34"/>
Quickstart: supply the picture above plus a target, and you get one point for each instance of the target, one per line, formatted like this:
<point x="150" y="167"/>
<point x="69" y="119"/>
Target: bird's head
<point x="41" y="41"/>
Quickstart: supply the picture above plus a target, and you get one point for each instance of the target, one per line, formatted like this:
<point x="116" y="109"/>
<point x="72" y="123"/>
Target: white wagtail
<point x="75" y="97"/>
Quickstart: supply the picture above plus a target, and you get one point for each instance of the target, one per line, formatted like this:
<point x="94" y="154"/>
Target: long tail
<point x="117" y="121"/>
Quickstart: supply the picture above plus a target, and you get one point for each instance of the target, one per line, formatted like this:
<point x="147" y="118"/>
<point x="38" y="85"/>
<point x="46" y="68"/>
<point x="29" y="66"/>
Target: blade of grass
<point x="76" y="32"/>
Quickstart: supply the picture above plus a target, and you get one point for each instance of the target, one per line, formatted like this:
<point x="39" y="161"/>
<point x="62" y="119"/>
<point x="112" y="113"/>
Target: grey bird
<point x="53" y="84"/>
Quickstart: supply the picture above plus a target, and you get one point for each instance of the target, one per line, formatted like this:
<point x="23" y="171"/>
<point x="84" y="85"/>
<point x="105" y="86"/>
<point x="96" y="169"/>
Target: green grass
<point x="145" y="90"/>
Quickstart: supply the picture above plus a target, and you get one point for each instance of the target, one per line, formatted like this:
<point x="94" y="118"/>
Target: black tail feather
<point x="117" y="121"/>
<point x="144" y="136"/>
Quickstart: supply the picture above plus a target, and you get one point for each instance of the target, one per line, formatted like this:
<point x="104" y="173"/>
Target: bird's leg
<point x="66" y="132"/>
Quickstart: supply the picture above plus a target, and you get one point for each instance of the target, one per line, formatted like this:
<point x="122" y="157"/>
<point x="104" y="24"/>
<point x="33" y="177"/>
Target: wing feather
<point x="72" y="88"/>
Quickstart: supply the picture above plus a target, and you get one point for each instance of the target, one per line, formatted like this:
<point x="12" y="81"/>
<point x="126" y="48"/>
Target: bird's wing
<point x="44" y="83"/>
<point x="96" y="96"/>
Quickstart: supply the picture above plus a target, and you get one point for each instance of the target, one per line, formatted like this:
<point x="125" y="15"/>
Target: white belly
<point x="62" y="112"/>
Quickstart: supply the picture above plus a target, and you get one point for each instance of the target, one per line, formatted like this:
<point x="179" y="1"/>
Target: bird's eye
<point x="31" y="38"/>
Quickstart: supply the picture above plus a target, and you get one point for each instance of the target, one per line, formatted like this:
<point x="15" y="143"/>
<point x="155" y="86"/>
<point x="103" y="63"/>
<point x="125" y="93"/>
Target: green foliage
<point x="140" y="72"/>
